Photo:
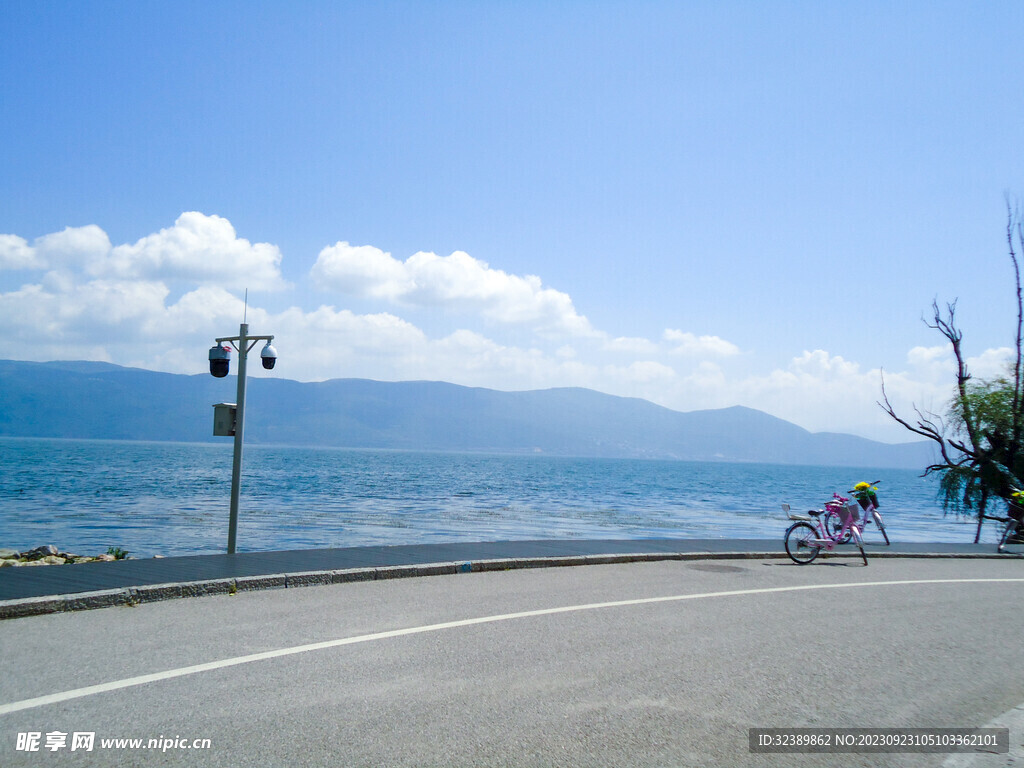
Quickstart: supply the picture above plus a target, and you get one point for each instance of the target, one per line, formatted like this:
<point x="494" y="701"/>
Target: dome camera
<point x="220" y="361"/>
<point x="268" y="355"/>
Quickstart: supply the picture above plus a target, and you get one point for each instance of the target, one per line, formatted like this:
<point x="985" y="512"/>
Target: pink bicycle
<point x="805" y="540"/>
<point x="868" y="501"/>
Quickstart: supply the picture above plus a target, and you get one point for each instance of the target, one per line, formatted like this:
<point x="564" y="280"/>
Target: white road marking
<point x="129" y="682"/>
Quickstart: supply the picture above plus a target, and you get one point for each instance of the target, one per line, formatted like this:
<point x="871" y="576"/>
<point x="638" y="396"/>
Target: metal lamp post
<point x="219" y="364"/>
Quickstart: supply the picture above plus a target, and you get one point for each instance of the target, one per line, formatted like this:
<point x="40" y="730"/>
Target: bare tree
<point x="979" y="439"/>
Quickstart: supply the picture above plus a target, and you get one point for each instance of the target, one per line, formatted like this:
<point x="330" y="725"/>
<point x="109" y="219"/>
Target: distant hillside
<point x="103" y="401"/>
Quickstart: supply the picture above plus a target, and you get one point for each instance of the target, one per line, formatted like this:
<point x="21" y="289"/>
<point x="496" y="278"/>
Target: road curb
<point x="131" y="596"/>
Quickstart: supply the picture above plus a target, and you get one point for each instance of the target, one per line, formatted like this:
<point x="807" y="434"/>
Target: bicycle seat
<point x="793" y="515"/>
<point x="811" y="514"/>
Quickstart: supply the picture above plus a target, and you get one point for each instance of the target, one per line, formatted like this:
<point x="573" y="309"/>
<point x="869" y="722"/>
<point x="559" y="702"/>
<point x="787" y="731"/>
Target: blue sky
<point x="699" y="203"/>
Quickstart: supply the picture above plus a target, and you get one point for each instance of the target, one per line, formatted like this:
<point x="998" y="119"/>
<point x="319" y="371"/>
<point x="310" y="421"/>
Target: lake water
<point x="172" y="498"/>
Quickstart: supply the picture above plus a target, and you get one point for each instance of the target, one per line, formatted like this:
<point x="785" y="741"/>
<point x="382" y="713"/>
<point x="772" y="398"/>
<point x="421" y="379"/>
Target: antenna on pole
<point x="245" y="309"/>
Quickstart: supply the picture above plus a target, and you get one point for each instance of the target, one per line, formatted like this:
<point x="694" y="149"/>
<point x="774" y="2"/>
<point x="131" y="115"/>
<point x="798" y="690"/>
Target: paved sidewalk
<point x="47" y="589"/>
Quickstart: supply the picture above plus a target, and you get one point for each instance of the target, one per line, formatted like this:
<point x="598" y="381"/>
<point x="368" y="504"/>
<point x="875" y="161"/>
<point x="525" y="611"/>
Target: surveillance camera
<point x="220" y="360"/>
<point x="269" y="356"/>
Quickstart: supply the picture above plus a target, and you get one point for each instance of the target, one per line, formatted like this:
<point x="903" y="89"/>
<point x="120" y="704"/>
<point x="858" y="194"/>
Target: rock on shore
<point x="48" y="554"/>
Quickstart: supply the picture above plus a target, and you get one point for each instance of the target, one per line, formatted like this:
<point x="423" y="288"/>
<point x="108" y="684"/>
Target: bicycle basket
<point x="850" y="514"/>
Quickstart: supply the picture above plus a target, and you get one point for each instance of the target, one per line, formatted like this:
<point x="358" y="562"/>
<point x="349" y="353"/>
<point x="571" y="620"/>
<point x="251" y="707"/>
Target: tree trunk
<point x="981" y="514"/>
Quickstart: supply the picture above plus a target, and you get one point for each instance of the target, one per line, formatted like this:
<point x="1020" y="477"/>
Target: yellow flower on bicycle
<point x="865" y="494"/>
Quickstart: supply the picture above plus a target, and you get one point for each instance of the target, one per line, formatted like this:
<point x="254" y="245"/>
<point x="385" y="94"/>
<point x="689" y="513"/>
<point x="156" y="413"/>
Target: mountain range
<point x="94" y="400"/>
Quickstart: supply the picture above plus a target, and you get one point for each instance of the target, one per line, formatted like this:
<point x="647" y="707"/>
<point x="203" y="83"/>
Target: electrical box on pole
<point x="224" y="419"/>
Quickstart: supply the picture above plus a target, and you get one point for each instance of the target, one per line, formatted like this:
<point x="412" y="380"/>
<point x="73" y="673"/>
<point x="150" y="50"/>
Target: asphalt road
<point x="666" y="663"/>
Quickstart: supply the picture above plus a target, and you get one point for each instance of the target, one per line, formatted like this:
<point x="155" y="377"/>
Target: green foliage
<point x="984" y="419"/>
<point x="958" y="490"/>
<point x="117" y="552"/>
<point x="989" y="403"/>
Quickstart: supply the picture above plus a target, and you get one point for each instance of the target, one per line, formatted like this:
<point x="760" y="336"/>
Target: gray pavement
<point x="47" y="589"/>
<point x="666" y="663"/>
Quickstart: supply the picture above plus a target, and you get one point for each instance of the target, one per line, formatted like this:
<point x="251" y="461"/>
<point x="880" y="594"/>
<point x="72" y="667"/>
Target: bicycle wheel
<point x="881" y="525"/>
<point x="1009" y="531"/>
<point x="801" y="543"/>
<point x="859" y="541"/>
<point x="833" y="527"/>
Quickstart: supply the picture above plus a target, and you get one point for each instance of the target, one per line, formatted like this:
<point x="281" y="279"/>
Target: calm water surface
<point x="172" y="498"/>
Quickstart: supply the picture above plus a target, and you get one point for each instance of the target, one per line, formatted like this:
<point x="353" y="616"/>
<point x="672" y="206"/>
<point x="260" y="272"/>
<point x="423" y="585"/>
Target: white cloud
<point x="73" y="247"/>
<point x="631" y="346"/>
<point x="197" y="249"/>
<point x="816" y="390"/>
<point x="200" y="311"/>
<point x="125" y="303"/>
<point x="16" y="253"/>
<point x="937" y="364"/>
<point x="160" y="302"/>
<point x="685" y="343"/>
<point x="115" y="303"/>
<point x="991" y="363"/>
<point x="476" y="360"/>
<point x="641" y="372"/>
<point x="820" y="365"/>
<point x="458" y="282"/>
<point x="361" y="270"/>
<point x="920" y="357"/>
<point x="827" y="393"/>
<point x="709" y="377"/>
<point x="41" y="322"/>
<point x="328" y="343"/>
